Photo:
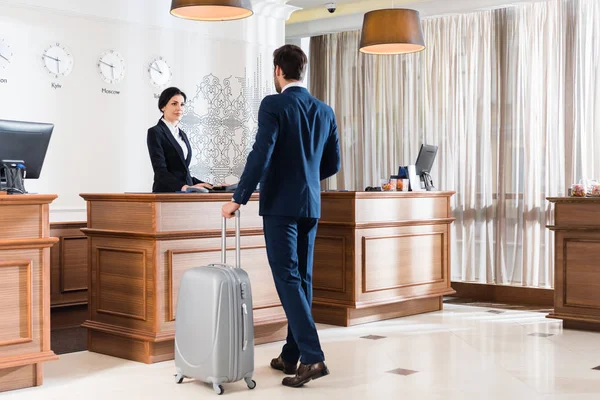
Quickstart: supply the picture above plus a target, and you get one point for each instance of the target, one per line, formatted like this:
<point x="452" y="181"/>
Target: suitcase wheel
<point x="218" y="389"/>
<point x="250" y="382"/>
<point x="178" y="377"/>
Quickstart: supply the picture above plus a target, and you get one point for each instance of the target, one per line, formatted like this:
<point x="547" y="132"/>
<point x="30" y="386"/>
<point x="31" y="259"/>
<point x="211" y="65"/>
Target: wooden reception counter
<point x="377" y="256"/>
<point x="381" y="255"/>
<point x="140" y="245"/>
<point x="576" y="268"/>
<point x="24" y="289"/>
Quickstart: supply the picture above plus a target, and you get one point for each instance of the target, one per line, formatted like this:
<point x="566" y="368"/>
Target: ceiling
<point x="313" y="19"/>
<point x="317" y="3"/>
<point x="426" y="4"/>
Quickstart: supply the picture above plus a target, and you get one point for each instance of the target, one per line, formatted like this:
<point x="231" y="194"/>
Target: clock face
<point x="160" y="72"/>
<point x="58" y="61"/>
<point x="111" y="67"/>
<point x="5" y="54"/>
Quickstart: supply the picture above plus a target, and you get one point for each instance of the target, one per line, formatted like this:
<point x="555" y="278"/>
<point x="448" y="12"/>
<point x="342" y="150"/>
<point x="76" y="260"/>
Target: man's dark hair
<point x="167" y="95"/>
<point x="292" y="61"/>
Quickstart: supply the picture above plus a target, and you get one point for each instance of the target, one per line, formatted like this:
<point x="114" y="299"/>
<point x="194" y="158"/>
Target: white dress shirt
<point x="293" y="84"/>
<point x="175" y="132"/>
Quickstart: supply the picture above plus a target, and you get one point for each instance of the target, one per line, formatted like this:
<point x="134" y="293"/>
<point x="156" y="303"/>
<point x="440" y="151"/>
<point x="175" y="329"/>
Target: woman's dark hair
<point x="292" y="61"/>
<point x="167" y="95"/>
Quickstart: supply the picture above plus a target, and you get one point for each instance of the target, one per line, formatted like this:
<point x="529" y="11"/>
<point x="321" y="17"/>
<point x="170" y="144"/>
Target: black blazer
<point x="171" y="170"/>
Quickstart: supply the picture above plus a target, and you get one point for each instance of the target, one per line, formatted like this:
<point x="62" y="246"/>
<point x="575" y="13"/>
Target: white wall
<point x="99" y="140"/>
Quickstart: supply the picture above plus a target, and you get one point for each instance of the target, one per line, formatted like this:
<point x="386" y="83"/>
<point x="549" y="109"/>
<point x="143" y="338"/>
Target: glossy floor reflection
<point x="463" y="352"/>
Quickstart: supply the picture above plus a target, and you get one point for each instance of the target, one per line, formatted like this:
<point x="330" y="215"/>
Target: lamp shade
<point x="391" y="31"/>
<point x="211" y="10"/>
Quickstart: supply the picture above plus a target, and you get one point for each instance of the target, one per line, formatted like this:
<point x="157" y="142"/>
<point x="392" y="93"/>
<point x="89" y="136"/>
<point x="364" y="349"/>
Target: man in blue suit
<point x="296" y="147"/>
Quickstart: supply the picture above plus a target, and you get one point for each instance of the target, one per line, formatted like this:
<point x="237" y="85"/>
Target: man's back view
<point x="296" y="147"/>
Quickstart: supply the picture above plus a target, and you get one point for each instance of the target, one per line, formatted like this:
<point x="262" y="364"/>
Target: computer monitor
<point x="26" y="143"/>
<point x="424" y="163"/>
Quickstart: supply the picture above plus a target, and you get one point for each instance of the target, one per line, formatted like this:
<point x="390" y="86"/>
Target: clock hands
<point x="112" y="68"/>
<point x="105" y="63"/>
<point x="157" y="70"/>
<point x="52" y="58"/>
<point x="4" y="57"/>
<point x="57" y="62"/>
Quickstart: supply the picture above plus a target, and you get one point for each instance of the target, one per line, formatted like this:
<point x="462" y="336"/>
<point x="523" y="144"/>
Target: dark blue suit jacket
<point x="296" y="147"/>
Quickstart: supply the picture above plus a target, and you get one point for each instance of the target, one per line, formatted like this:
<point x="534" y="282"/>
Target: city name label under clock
<point x="2" y="80"/>
<point x="108" y="91"/>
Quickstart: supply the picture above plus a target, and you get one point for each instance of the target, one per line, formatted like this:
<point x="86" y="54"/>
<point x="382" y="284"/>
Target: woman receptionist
<point x="169" y="147"/>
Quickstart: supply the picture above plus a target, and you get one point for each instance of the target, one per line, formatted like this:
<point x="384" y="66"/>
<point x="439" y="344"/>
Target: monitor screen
<point x="425" y="158"/>
<point x="26" y="142"/>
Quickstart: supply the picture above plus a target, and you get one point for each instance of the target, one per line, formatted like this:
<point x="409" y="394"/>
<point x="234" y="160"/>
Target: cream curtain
<point x="512" y="99"/>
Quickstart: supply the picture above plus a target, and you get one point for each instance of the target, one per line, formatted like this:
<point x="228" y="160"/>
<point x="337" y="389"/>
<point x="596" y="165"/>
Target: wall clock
<point x="58" y="60"/>
<point x="111" y="66"/>
<point x="6" y="54"/>
<point x="159" y="72"/>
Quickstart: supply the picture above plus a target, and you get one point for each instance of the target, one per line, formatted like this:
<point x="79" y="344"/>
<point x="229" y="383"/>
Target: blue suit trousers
<point x="290" y="245"/>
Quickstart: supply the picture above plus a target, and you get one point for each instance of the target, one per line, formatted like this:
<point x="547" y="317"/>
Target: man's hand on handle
<point x="229" y="209"/>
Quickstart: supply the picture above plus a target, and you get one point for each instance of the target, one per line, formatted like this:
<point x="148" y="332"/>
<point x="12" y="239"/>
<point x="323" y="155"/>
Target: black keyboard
<point x="225" y="188"/>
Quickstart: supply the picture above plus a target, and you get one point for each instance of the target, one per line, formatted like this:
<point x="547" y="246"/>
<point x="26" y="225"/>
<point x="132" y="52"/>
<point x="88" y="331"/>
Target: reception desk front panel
<point x="377" y="256"/>
<point x="381" y="255"/>
<point x="24" y="289"/>
<point x="140" y="246"/>
<point x="576" y="272"/>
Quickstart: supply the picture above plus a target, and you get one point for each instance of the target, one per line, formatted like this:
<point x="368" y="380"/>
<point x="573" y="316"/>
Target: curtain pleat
<point x="511" y="97"/>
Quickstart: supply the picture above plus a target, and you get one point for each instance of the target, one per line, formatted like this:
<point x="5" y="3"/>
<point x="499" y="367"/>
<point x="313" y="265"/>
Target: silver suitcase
<point x="214" y="327"/>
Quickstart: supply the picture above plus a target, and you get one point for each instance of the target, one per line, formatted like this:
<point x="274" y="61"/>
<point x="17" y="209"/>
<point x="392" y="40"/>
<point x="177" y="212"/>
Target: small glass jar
<point x="405" y="185"/>
<point x="394" y="183"/>
<point x="578" y="190"/>
<point x="386" y="186"/>
<point x="594" y="190"/>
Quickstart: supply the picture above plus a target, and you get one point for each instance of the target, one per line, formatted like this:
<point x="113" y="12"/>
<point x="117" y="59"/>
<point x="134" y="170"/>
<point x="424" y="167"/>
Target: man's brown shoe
<point x="282" y="365"/>
<point x="306" y="373"/>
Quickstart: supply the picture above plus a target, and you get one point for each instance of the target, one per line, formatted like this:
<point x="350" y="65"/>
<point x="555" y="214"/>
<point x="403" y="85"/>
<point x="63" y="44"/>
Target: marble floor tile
<point x="462" y="352"/>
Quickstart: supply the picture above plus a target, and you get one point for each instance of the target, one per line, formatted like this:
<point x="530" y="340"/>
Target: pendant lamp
<point x="391" y="31"/>
<point x="211" y="10"/>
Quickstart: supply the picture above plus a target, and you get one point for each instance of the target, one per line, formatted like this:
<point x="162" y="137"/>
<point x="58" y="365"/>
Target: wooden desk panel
<point x="382" y="208"/>
<point x="254" y="258"/>
<point x="69" y="264"/>
<point x="24" y="290"/>
<point x="202" y="216"/>
<point x="389" y="261"/>
<point x="137" y="260"/>
<point x="381" y="255"/>
<point x="576" y="272"/>
<point x="128" y="216"/>
<point x="16" y="294"/>
<point x="20" y="222"/>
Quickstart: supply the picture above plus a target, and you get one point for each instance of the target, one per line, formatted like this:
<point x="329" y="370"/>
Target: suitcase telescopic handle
<point x="237" y="240"/>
